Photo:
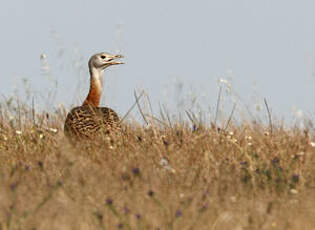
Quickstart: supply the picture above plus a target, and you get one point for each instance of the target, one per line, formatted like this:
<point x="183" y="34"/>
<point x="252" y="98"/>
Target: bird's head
<point x="102" y="60"/>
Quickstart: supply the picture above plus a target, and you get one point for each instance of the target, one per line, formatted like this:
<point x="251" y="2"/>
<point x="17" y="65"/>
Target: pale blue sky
<point x="267" y="47"/>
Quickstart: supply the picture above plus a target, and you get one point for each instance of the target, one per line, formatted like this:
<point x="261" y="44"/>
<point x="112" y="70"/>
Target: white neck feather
<point x="97" y="77"/>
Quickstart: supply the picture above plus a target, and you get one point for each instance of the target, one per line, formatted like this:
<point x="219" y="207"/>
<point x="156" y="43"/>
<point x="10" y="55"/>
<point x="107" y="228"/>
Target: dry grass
<point x="158" y="177"/>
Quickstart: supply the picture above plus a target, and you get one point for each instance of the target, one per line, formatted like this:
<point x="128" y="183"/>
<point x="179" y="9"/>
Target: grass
<point x="165" y="175"/>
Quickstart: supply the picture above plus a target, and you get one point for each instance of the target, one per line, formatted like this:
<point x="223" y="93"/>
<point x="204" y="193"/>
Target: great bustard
<point x="89" y="120"/>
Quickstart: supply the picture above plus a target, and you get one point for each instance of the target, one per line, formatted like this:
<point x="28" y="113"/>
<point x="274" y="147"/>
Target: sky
<point x="174" y="50"/>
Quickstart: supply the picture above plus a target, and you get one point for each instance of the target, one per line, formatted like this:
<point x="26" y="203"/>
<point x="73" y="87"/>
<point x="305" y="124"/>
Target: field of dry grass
<point x="171" y="176"/>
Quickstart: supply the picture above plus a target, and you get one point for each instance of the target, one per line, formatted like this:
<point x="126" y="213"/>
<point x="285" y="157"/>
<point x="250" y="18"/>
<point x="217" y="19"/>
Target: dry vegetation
<point x="171" y="176"/>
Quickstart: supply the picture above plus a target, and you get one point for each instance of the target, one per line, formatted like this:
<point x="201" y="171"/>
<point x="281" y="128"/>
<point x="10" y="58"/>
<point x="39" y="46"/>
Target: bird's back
<point x="88" y="121"/>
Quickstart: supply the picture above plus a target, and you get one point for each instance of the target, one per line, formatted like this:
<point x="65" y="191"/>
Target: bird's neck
<point x="96" y="87"/>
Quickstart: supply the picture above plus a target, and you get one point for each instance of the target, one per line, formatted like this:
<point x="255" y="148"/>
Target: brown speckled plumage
<point x="89" y="120"/>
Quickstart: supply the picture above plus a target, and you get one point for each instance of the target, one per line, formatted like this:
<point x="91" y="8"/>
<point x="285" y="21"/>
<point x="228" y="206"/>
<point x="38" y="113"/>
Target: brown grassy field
<point x="174" y="176"/>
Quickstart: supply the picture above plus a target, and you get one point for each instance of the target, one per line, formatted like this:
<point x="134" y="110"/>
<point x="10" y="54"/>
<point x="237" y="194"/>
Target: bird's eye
<point x="103" y="56"/>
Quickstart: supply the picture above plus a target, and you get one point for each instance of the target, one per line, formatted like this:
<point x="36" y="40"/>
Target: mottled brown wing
<point x="110" y="121"/>
<point x="87" y="121"/>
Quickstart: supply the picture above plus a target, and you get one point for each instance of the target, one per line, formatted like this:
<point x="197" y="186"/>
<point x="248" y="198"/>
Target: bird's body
<point x="89" y="120"/>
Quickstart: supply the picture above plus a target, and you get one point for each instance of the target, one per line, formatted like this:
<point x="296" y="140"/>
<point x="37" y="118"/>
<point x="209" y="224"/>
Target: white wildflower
<point x="164" y="163"/>
<point x="148" y="127"/>
<point x="53" y="130"/>
<point x="43" y="56"/>
<point x="18" y="132"/>
<point x="226" y="83"/>
<point x="299" y="114"/>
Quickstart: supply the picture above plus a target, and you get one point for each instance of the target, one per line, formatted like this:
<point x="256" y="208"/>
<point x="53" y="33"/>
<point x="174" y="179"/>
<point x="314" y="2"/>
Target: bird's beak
<point x="113" y="60"/>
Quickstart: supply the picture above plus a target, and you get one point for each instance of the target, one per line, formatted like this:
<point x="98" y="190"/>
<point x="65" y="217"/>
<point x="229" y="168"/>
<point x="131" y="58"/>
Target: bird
<point x="89" y="120"/>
